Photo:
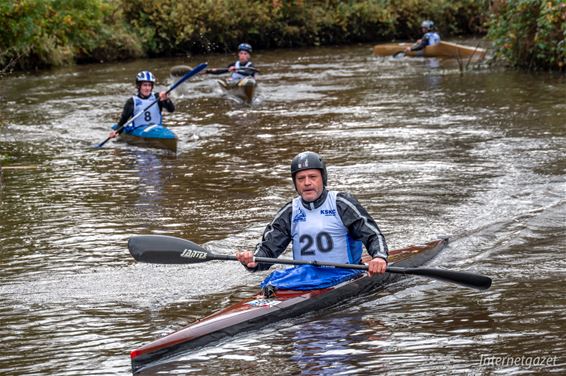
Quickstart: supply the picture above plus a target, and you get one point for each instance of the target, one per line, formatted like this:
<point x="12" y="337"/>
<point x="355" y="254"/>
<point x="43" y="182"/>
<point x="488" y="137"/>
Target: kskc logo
<point x="191" y="253"/>
<point x="328" y="212"/>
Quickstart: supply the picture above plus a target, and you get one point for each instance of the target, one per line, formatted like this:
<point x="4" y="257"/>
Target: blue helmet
<point x="145" y="76"/>
<point x="427" y="24"/>
<point x="245" y="47"/>
<point x="308" y="160"/>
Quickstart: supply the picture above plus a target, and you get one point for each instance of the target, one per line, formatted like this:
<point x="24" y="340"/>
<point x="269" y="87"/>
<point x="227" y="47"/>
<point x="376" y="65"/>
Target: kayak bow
<point x="153" y="136"/>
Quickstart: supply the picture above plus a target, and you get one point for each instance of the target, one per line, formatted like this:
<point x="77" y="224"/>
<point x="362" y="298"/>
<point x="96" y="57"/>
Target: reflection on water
<point x="331" y="347"/>
<point x="430" y="152"/>
<point x="150" y="185"/>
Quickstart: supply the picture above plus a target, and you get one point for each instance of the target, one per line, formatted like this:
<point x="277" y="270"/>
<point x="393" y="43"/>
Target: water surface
<point x="479" y="157"/>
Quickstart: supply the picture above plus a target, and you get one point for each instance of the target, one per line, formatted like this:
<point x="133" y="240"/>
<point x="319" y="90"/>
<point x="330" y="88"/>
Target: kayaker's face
<point x="146" y="88"/>
<point x="244" y="56"/>
<point x="309" y="184"/>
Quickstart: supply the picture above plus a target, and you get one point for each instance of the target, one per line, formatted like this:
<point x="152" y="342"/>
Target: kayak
<point x="443" y="49"/>
<point x="243" y="89"/>
<point x="179" y="70"/>
<point x="152" y="136"/>
<point x="258" y="311"/>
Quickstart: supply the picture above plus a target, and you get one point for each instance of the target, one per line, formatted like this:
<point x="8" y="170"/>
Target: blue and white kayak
<point x="152" y="135"/>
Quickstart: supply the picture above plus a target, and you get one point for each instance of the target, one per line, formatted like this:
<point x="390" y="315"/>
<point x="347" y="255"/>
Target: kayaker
<point x="322" y="225"/>
<point x="241" y="68"/>
<point x="145" y="82"/>
<point x="430" y="37"/>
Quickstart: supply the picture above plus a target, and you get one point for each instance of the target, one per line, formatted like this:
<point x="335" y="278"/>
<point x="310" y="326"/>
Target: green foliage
<point x="42" y="33"/>
<point x="181" y="26"/>
<point x="39" y="33"/>
<point x="530" y="33"/>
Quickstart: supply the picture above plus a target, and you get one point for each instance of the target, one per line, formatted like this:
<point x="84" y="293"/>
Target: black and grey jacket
<point x="360" y="225"/>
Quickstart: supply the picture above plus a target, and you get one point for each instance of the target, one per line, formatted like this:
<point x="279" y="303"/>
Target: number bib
<point x="320" y="235"/>
<point x="151" y="116"/>
<point x="433" y="38"/>
<point x="236" y="75"/>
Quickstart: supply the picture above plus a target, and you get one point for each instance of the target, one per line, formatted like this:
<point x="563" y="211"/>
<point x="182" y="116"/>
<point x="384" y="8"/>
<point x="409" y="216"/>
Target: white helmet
<point x="427" y="24"/>
<point x="145" y="76"/>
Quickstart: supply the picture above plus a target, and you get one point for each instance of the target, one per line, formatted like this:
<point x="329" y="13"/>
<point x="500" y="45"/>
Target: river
<point x="479" y="157"/>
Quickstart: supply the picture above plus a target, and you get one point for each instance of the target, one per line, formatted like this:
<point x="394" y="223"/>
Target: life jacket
<point x="319" y="234"/>
<point x="151" y="116"/>
<point x="432" y="37"/>
<point x="239" y="76"/>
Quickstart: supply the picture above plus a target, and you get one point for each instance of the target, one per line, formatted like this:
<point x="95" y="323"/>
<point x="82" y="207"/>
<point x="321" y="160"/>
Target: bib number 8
<point x="323" y="240"/>
<point x="147" y="116"/>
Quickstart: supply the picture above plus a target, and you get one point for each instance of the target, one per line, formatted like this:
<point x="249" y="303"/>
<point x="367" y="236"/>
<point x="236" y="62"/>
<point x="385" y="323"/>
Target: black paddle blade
<point x="161" y="249"/>
<point x="476" y="281"/>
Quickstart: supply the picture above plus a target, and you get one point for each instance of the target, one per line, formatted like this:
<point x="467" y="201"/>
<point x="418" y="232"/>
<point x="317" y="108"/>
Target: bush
<point x="42" y="33"/>
<point x="530" y="34"/>
<point x="181" y="26"/>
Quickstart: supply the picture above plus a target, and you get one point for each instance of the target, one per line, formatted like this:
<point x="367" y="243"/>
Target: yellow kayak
<point x="443" y="49"/>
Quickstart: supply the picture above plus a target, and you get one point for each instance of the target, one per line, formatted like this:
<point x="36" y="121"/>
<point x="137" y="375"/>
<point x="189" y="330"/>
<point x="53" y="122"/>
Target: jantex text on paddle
<point x="191" y="253"/>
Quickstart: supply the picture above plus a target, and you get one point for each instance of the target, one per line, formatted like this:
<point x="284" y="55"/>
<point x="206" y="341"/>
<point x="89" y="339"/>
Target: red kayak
<point x="259" y="311"/>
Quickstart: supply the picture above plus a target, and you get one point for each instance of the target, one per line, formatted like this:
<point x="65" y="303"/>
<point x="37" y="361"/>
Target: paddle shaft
<point x="226" y="70"/>
<point x="267" y="260"/>
<point x="472" y="280"/>
<point x="462" y="278"/>
<point x="162" y="249"/>
<point x="188" y="75"/>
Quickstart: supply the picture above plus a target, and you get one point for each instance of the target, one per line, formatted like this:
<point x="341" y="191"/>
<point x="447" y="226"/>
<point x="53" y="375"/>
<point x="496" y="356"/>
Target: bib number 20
<point x="323" y="243"/>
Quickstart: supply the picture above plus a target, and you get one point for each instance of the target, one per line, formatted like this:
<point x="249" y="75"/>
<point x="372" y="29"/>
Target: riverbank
<point x="529" y="35"/>
<point x="35" y="34"/>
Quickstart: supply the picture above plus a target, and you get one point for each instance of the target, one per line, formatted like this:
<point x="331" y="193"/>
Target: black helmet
<point x="245" y="47"/>
<point x="308" y="160"/>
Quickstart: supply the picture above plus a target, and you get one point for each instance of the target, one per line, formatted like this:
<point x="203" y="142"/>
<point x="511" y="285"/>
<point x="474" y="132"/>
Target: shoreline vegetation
<point x="37" y="34"/>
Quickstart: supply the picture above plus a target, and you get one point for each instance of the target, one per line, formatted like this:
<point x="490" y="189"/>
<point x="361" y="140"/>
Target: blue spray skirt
<point x="153" y="136"/>
<point x="308" y="277"/>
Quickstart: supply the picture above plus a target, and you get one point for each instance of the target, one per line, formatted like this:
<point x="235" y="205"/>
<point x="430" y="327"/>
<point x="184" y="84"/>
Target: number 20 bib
<point x="320" y="235"/>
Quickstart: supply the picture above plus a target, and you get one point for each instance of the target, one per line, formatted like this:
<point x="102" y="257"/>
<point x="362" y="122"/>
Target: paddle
<point x="399" y="55"/>
<point x="162" y="249"/>
<point x="189" y="74"/>
<point x="226" y="70"/>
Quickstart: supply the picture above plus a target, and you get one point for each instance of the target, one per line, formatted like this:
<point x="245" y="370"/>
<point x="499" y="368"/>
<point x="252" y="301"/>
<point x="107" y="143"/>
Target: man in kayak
<point x="322" y="225"/>
<point x="145" y="82"/>
<point x="430" y="37"/>
<point x="240" y="69"/>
